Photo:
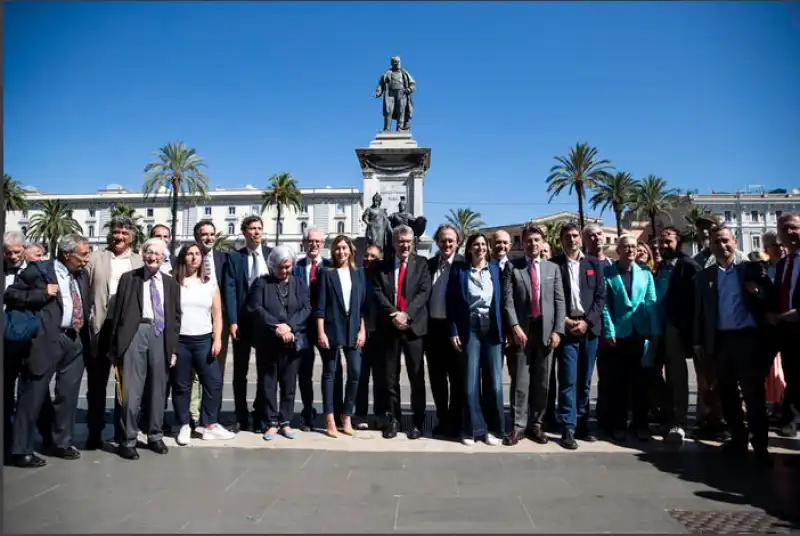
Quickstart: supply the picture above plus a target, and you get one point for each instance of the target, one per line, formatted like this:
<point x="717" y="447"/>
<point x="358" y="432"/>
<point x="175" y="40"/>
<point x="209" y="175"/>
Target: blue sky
<point x="705" y="94"/>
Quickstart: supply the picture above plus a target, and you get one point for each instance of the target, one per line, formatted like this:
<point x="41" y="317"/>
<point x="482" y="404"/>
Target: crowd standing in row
<point x="162" y="324"/>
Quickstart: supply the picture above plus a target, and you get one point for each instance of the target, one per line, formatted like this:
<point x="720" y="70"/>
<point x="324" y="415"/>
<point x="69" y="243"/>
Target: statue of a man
<point x="396" y="87"/>
<point x="403" y="217"/>
<point x="377" y="223"/>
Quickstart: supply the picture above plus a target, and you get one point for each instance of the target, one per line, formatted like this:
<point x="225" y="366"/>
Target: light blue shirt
<point x="480" y="290"/>
<point x="62" y="274"/>
<point x="731" y="312"/>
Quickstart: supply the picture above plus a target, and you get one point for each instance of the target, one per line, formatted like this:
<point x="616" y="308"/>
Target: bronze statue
<point x="403" y="217"/>
<point x="378" y="228"/>
<point x="396" y="86"/>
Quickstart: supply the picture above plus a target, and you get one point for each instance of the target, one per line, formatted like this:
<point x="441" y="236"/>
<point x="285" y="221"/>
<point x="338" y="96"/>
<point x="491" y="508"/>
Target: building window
<point x="727" y="215"/>
<point x="256" y="210"/>
<point x="608" y="240"/>
<point x="24" y="230"/>
<point x="25" y="214"/>
<point x="340" y="208"/>
<point x="756" y="242"/>
<point x="778" y="214"/>
<point x="149" y="212"/>
<point x="149" y="229"/>
<point x="304" y="208"/>
<point x="207" y="211"/>
<point x="231" y="211"/>
<point x="303" y="227"/>
<point x="231" y="228"/>
<point x="91" y="231"/>
<point x="91" y="213"/>
<point x="280" y="227"/>
<point x="754" y="215"/>
<point x="340" y="227"/>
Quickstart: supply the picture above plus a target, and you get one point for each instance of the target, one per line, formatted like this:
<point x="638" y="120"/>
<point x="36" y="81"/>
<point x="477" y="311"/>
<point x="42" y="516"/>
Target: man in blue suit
<point x="244" y="267"/>
<point x="308" y="269"/>
<point x="629" y="318"/>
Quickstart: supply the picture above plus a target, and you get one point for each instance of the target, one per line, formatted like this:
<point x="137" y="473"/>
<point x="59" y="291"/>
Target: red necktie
<point x="77" y="304"/>
<point x="535" y="308"/>
<point x="313" y="275"/>
<point x="786" y="287"/>
<point x="401" y="289"/>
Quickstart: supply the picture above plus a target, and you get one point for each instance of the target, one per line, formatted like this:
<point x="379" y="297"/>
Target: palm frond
<point x="54" y="221"/>
<point x="283" y="193"/>
<point x="466" y="221"/>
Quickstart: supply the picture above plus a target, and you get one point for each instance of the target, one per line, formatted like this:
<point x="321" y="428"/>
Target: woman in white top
<point x="198" y="346"/>
<point x="340" y="324"/>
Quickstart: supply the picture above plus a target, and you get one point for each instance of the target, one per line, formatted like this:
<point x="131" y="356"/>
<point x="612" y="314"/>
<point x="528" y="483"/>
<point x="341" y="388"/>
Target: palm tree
<point x="694" y="221"/>
<point x="13" y="198"/>
<point x="127" y="210"/>
<point x="616" y="191"/>
<point x="579" y="171"/>
<point x="466" y="222"/>
<point x="652" y="198"/>
<point x="180" y="169"/>
<point x="222" y="242"/>
<point x="54" y="221"/>
<point x="283" y="193"/>
<point x="552" y="235"/>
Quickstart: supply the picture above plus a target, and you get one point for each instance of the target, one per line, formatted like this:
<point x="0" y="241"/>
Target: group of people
<point x="162" y="324"/>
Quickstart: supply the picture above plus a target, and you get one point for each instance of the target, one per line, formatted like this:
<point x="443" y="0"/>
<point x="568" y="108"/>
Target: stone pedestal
<point x="395" y="166"/>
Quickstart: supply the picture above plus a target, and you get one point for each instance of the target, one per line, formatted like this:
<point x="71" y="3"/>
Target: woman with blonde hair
<point x="340" y="326"/>
<point x="644" y="256"/>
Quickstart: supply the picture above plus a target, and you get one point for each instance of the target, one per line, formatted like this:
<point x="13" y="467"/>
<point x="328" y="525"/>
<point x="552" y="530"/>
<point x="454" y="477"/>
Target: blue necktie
<point x="158" y="309"/>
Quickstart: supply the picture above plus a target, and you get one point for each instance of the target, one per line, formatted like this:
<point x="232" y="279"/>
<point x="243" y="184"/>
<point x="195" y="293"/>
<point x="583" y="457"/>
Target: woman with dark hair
<point x="473" y="310"/>
<point x="279" y="308"/>
<point x="340" y="325"/>
<point x="199" y="344"/>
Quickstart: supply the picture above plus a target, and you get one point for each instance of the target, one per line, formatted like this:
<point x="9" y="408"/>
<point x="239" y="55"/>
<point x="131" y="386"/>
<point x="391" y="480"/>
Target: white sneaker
<point x="184" y="436"/>
<point x="217" y="432"/>
<point x="491" y="440"/>
<point x="467" y="441"/>
<point x="676" y="435"/>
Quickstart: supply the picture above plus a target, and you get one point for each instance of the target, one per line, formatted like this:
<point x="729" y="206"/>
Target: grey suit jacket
<point x="99" y="275"/>
<point x="517" y="296"/>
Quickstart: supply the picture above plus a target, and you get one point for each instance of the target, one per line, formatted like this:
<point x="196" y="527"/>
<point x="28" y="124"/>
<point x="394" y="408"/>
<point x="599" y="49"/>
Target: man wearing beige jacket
<point x="105" y="270"/>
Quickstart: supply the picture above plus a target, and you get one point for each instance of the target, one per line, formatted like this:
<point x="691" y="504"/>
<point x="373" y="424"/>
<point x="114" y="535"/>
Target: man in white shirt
<point x="444" y="362"/>
<point x="501" y="244"/>
<point x="162" y="231"/>
<point x="13" y="255"/>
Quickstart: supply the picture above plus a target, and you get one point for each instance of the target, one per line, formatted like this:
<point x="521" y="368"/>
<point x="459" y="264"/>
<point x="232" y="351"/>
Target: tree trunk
<point x="278" y="225"/>
<point x="618" y="216"/>
<point x="53" y="242"/>
<point x="579" y="191"/>
<point x="174" y="230"/>
<point x="653" y="224"/>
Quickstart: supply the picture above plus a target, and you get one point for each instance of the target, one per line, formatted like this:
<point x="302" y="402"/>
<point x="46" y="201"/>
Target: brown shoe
<point x="537" y="435"/>
<point x="514" y="438"/>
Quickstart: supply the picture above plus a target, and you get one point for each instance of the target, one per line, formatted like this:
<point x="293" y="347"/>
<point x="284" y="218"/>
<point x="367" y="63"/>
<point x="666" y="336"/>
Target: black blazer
<point x="128" y="313"/>
<point x="417" y="291"/>
<point x="266" y="311"/>
<point x="592" y="283"/>
<point x="27" y="293"/>
<point x="370" y="304"/>
<point x="775" y="295"/>
<point x="234" y="290"/>
<point x="341" y="332"/>
<point x="433" y="263"/>
<point x="679" y="300"/>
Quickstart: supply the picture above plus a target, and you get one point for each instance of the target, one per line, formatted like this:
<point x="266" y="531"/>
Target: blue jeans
<point x="576" y="359"/>
<point x="330" y="359"/>
<point x="194" y="352"/>
<point x="482" y="357"/>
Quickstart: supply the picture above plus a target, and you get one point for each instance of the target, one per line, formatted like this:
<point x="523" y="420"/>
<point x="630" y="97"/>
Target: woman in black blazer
<point x="340" y="324"/>
<point x="279" y="308"/>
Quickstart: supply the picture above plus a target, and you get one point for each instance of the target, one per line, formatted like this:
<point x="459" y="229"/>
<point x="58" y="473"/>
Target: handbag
<point x="21" y="326"/>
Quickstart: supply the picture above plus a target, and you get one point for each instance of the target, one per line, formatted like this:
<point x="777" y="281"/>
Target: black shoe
<point x="441" y="430"/>
<point x="568" y="440"/>
<point x="513" y="438"/>
<point x="158" y="446"/>
<point x="619" y="436"/>
<point x="128" y="453"/>
<point x="390" y="432"/>
<point x="414" y="433"/>
<point x="733" y="448"/>
<point x="584" y="435"/>
<point x="643" y="434"/>
<point x="537" y="435"/>
<point x="94" y="443"/>
<point x="68" y="453"/>
<point x="308" y="417"/>
<point x="788" y="430"/>
<point x="763" y="458"/>
<point x="27" y="461"/>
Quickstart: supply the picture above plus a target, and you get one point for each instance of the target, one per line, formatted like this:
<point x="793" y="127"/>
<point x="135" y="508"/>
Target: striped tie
<point x="158" y="309"/>
<point x="77" y="304"/>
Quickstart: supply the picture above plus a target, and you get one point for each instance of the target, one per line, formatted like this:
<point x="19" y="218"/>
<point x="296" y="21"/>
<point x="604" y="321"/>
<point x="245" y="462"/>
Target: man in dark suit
<point x="784" y="306"/>
<point x="675" y="297"/>
<point x="444" y="362"/>
<point x="371" y="357"/>
<point x="584" y="297"/>
<point x="307" y="269"/>
<point x="144" y="345"/>
<point x="533" y="309"/>
<point x="205" y="235"/>
<point x="58" y="291"/>
<point x="402" y="286"/>
<point x="730" y="310"/>
<point x="243" y="268"/>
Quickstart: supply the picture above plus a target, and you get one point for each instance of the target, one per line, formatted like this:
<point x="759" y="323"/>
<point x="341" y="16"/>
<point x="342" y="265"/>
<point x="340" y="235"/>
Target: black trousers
<point x="790" y="359"/>
<point x="411" y="346"/>
<point x="604" y="390"/>
<point x="370" y="357"/>
<point x="446" y="374"/>
<point x="628" y="384"/>
<point x="13" y="355"/>
<point x="67" y="367"/>
<point x="738" y="363"/>
<point x="241" y="364"/>
<point x="305" y="380"/>
<point x="278" y="368"/>
<point x="98" y="368"/>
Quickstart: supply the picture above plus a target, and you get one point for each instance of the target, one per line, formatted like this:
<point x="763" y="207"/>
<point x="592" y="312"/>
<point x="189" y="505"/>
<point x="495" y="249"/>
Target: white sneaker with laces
<point x="491" y="440"/>
<point x="217" y="431"/>
<point x="676" y="435"/>
<point x="467" y="441"/>
<point x="184" y="436"/>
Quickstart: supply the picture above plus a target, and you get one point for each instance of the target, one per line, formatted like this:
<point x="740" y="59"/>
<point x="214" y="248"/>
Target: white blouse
<point x="196" y="301"/>
<point x="347" y="286"/>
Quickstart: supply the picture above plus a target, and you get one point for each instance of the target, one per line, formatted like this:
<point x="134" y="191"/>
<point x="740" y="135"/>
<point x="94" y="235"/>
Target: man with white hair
<point x="13" y="255"/>
<point x="144" y="344"/>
